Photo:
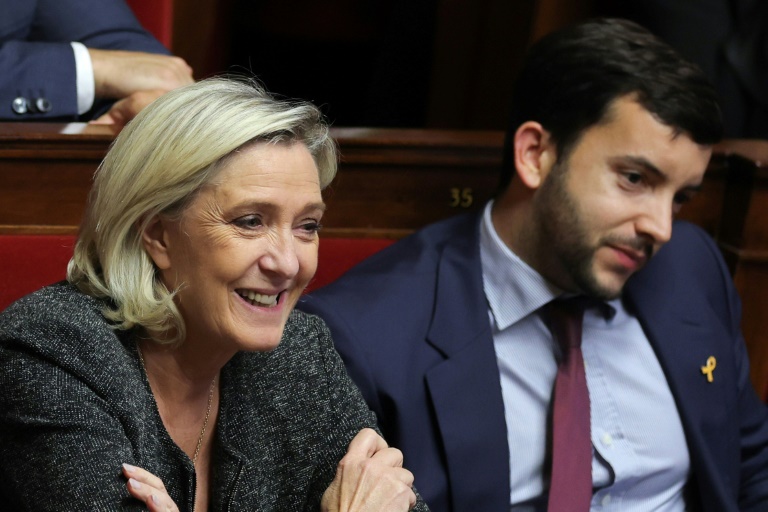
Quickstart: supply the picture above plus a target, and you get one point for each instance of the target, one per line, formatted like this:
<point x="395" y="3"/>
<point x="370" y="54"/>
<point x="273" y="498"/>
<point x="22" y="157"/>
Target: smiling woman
<point x="170" y="370"/>
<point x="244" y="249"/>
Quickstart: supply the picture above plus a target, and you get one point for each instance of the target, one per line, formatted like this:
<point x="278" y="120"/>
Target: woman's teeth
<point x="258" y="299"/>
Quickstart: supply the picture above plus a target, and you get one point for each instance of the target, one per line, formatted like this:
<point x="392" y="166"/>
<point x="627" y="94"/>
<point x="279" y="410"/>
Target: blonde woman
<point x="171" y="370"/>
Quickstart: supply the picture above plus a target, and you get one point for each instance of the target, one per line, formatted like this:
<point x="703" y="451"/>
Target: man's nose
<point x="656" y="223"/>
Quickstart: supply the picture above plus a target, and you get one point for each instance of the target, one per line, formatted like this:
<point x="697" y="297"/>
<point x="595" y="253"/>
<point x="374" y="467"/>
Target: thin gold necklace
<point x="207" y="410"/>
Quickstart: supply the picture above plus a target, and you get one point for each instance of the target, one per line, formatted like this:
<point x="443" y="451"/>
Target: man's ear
<point x="155" y="240"/>
<point x="535" y="154"/>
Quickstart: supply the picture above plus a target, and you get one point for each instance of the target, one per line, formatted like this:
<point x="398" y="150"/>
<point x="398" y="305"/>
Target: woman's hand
<point x="370" y="478"/>
<point x="146" y="487"/>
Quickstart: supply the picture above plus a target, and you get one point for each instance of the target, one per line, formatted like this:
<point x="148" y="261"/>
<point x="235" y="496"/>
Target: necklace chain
<point x="207" y="410"/>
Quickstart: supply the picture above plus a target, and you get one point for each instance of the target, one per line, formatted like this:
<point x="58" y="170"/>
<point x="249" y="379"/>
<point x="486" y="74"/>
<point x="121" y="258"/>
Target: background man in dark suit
<point x="70" y="60"/>
<point x="447" y="332"/>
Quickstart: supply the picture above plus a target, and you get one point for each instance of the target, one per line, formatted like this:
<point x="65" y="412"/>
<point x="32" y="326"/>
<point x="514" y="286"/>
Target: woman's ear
<point x="155" y="240"/>
<point x="535" y="154"/>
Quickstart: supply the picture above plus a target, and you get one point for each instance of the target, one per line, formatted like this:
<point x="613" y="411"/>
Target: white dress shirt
<point x="86" y="83"/>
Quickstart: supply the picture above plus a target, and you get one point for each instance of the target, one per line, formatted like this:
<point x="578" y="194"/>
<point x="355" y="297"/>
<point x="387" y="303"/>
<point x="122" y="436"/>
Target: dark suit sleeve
<point x="36" y="59"/>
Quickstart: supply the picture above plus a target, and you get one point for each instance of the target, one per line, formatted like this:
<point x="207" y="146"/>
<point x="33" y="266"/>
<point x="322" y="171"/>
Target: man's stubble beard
<point x="562" y="241"/>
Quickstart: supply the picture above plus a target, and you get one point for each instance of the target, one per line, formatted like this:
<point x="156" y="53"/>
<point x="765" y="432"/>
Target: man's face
<point x="602" y="212"/>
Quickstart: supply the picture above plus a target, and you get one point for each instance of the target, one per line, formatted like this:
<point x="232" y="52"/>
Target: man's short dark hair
<point x="571" y="77"/>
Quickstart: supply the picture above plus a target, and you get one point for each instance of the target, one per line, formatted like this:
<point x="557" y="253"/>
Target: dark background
<point x="451" y="63"/>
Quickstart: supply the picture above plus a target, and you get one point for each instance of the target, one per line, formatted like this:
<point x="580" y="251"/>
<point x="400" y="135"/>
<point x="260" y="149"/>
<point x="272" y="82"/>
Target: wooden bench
<point x="390" y="183"/>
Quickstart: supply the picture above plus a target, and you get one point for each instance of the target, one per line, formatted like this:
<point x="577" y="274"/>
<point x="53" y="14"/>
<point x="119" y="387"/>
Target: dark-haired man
<point x="449" y="333"/>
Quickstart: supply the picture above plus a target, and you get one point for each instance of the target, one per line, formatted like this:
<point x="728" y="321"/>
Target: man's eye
<point x="633" y="177"/>
<point x="248" y="222"/>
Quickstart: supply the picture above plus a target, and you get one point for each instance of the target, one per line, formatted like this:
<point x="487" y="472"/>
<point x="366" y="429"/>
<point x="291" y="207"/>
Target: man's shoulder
<point x="414" y="256"/>
<point x="396" y="289"/>
<point x="17" y="20"/>
<point x="689" y="268"/>
<point x="691" y="250"/>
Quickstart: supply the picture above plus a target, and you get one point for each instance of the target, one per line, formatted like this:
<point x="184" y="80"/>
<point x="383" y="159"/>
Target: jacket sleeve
<point x="37" y="61"/>
<point x="60" y="446"/>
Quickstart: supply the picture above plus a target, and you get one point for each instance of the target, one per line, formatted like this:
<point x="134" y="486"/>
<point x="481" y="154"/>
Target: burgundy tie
<point x="571" y="486"/>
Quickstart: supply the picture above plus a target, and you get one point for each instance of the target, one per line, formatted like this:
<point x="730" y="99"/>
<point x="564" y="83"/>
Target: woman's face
<point x="245" y="248"/>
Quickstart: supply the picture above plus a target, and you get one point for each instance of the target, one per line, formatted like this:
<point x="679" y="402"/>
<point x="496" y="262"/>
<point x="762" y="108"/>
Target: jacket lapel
<point x="681" y="330"/>
<point x="465" y="388"/>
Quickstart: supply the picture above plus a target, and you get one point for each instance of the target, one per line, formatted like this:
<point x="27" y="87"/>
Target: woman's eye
<point x="310" y="227"/>
<point x="248" y="222"/>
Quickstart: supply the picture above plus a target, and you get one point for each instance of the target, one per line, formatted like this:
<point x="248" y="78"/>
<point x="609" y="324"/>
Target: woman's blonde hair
<point x="156" y="165"/>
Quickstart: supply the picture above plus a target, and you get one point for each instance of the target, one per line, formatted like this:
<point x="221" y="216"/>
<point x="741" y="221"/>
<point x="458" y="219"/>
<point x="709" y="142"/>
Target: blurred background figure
<point x="728" y="39"/>
<point x="80" y="60"/>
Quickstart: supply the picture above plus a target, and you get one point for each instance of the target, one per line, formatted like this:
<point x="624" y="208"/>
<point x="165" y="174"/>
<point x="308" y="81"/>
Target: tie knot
<point x="565" y="318"/>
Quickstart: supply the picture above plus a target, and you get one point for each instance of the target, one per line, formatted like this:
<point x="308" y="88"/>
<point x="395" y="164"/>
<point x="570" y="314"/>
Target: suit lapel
<point x="680" y="329"/>
<point x="465" y="388"/>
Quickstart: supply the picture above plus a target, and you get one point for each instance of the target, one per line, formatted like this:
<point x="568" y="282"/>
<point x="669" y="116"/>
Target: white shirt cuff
<point x="86" y="85"/>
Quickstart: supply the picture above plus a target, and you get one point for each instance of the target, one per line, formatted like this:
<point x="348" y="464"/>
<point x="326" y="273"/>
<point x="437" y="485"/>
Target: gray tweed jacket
<point x="75" y="404"/>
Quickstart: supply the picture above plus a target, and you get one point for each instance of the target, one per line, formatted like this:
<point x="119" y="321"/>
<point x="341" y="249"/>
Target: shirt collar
<point x="512" y="288"/>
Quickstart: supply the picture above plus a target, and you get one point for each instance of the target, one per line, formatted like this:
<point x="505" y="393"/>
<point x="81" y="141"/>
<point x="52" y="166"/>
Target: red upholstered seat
<point x="30" y="262"/>
<point x="337" y="255"/>
<point x="156" y="16"/>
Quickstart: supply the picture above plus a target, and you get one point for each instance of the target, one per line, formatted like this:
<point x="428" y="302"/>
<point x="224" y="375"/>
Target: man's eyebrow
<point x="650" y="167"/>
<point x="643" y="162"/>
<point x="693" y="189"/>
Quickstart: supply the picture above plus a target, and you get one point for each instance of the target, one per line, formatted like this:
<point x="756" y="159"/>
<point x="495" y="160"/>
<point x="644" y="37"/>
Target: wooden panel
<point x="478" y="50"/>
<point x="390" y="182"/>
<point x="743" y="237"/>
<point x="201" y="35"/>
<point x="552" y="15"/>
<point x="45" y="172"/>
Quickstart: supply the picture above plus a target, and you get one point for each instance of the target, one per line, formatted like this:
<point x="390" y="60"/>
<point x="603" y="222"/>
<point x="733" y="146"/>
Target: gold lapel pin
<point x="709" y="369"/>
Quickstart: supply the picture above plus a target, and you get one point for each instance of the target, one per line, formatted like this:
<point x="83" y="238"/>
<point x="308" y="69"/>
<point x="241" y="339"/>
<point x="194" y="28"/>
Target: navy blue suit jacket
<point x="411" y="324"/>
<point x="36" y="59"/>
